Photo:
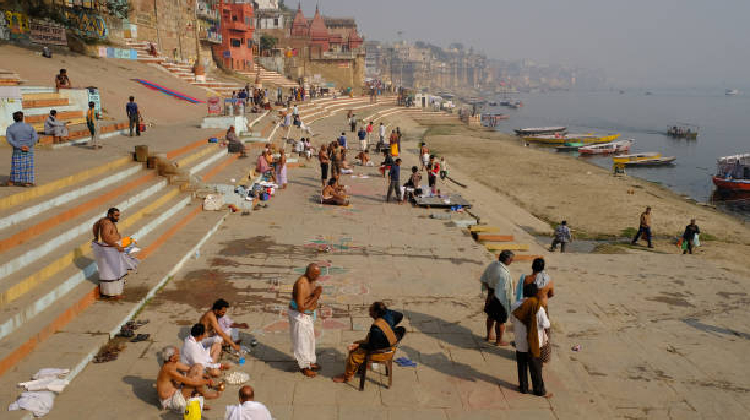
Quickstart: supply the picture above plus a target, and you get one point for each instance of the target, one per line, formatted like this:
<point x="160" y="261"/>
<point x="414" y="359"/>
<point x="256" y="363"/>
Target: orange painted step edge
<point x="495" y="238"/>
<point x="21" y="352"/>
<point x="36" y="230"/>
<point x="210" y="174"/>
<point x="194" y="145"/>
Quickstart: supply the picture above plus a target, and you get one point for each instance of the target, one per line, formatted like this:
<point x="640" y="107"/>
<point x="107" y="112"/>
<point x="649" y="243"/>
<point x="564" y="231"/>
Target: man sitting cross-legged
<point x="176" y="382"/>
<point x="194" y="353"/>
<point x="381" y="336"/>
<point x="215" y="332"/>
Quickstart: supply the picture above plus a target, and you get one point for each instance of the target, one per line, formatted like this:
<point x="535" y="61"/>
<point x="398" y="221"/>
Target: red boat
<point x="733" y="173"/>
<point x="732" y="184"/>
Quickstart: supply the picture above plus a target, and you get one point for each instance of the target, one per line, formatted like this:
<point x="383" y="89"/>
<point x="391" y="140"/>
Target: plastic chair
<point x="384" y="356"/>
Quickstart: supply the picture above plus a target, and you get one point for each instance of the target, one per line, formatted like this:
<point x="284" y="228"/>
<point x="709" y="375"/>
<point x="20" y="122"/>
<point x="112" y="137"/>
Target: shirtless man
<point x="213" y="330"/>
<point x="176" y="382"/>
<point x="305" y="295"/>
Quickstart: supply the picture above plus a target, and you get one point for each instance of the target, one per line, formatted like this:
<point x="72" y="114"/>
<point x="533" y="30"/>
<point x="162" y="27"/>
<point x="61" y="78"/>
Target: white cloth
<point x="542" y="279"/>
<point x="193" y="353"/>
<point x="175" y="403"/>
<point x="38" y="402"/>
<point x="519" y="329"/>
<point x="45" y="384"/>
<point x="302" y="332"/>
<point x="382" y="131"/>
<point x="209" y="341"/>
<point x="248" y="410"/>
<point x="224" y="324"/>
<point x="497" y="276"/>
<point x="112" y="264"/>
<point x="50" y="373"/>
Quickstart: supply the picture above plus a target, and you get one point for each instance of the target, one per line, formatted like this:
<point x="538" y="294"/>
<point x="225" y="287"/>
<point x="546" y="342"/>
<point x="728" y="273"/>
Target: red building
<point x="340" y="34"/>
<point x="237" y="27"/>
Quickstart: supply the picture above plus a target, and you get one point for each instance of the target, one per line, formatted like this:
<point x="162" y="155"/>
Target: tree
<point x="267" y="42"/>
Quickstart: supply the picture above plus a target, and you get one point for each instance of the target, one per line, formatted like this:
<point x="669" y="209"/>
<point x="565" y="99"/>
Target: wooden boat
<point x="569" y="147"/>
<point x="644" y="159"/>
<point x="539" y="130"/>
<point x="620" y="146"/>
<point x="733" y="173"/>
<point x="571" y="138"/>
<point x="683" y="131"/>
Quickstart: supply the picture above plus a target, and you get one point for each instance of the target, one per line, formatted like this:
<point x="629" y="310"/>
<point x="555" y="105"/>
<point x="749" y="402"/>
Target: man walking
<point x="394" y="175"/>
<point x="562" y="236"/>
<point x="645" y="228"/>
<point x="22" y="137"/>
<point x="305" y="296"/>
<point x="131" y="109"/>
<point x="499" y="284"/>
<point x="362" y="135"/>
<point x="688" y="237"/>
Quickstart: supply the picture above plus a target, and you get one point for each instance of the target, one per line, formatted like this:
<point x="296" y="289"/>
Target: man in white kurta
<point x="54" y="127"/>
<point x="194" y="353"/>
<point x="247" y="408"/>
<point x="305" y="295"/>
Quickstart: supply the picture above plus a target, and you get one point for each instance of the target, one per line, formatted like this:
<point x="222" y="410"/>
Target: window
<point x="276" y="22"/>
<point x="235" y="42"/>
<point x="247" y="21"/>
<point x="234" y="18"/>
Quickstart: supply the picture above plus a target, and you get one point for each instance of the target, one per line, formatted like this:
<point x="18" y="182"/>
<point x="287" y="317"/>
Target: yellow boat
<point x="644" y="159"/>
<point x="572" y="138"/>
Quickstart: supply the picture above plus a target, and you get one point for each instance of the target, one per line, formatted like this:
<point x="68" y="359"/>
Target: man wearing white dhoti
<point x="54" y="127"/>
<point x="305" y="295"/>
<point x="112" y="257"/>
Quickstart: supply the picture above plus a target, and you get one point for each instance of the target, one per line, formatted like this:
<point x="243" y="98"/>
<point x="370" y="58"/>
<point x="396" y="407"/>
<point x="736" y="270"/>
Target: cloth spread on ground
<point x="175" y="403"/>
<point x="248" y="410"/>
<point x="302" y="333"/>
<point x="527" y="313"/>
<point x="50" y="373"/>
<point x="45" y="384"/>
<point x="38" y="402"/>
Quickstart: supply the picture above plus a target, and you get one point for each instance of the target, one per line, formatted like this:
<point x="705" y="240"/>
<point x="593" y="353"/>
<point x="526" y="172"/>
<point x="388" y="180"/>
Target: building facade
<point x="237" y="26"/>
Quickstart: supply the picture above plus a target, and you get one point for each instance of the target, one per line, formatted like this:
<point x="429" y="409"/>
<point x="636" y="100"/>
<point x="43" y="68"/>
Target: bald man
<point x="305" y="295"/>
<point x="248" y="408"/>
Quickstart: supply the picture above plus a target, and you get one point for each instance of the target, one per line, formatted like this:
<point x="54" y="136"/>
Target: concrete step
<point x="91" y="323"/>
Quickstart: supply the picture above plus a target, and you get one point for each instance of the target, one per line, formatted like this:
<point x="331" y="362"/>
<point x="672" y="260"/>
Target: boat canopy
<point x="733" y="166"/>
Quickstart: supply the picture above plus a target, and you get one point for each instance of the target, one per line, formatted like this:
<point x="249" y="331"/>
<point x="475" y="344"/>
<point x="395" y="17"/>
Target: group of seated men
<point x="191" y="370"/>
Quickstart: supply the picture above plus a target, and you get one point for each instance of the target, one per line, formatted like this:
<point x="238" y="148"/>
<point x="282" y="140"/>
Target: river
<point x="723" y="130"/>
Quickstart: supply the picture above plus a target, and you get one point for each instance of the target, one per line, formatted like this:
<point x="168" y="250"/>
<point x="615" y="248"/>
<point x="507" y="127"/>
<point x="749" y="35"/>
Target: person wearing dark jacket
<point x="688" y="237"/>
<point x="383" y="334"/>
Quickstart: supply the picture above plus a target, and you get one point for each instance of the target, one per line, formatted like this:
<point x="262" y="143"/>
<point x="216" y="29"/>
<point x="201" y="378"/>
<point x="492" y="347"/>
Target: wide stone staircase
<point x="48" y="277"/>
<point x="71" y="106"/>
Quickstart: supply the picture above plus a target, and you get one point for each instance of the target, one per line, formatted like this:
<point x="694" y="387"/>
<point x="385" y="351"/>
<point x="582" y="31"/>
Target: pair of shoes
<point x="140" y="337"/>
<point x="308" y="372"/>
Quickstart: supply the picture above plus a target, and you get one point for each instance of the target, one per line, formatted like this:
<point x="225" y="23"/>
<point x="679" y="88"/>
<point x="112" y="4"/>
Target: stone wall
<point x="343" y="72"/>
<point x="169" y="23"/>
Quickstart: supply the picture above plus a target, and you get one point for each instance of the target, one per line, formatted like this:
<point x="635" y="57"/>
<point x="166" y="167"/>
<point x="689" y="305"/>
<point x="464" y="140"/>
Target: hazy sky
<point x="636" y="42"/>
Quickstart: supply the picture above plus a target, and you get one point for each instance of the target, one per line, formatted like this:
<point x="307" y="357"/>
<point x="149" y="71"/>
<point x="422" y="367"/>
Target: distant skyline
<point x="636" y="42"/>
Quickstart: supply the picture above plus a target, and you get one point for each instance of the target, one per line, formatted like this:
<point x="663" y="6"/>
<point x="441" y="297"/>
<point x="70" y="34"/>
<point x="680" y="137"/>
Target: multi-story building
<point x="237" y="27"/>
